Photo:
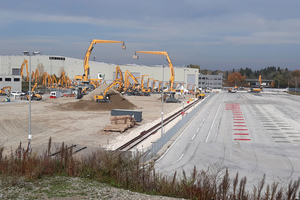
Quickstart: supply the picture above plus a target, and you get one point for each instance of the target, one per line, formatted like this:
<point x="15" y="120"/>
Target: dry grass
<point x="127" y="172"/>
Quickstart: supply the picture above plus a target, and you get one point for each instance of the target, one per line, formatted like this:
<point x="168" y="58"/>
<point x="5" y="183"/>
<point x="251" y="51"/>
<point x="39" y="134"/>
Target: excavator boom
<point x="169" y="62"/>
<point x="25" y="62"/>
<point x="85" y="77"/>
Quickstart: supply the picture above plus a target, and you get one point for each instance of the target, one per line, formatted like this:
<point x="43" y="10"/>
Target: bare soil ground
<point x="74" y="121"/>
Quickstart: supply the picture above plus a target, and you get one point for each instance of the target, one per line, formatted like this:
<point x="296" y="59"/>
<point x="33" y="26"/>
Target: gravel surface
<point x="65" y="188"/>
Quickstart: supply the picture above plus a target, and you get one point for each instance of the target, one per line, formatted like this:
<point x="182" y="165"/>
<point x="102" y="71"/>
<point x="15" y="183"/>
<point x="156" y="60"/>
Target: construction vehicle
<point x="255" y="90"/>
<point x="2" y="91"/>
<point x="232" y="90"/>
<point x="119" y="75"/>
<point x="144" y="91"/>
<point x="119" y="78"/>
<point x="159" y="86"/>
<point x="105" y="97"/>
<point x="171" y="89"/>
<point x="45" y="79"/>
<point x="34" y="95"/>
<point x="130" y="89"/>
<point x="25" y="62"/>
<point x="199" y="94"/>
<point x="192" y="90"/>
<point x="85" y="77"/>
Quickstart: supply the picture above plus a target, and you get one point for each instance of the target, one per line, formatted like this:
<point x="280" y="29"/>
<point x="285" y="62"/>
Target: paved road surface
<point x="253" y="134"/>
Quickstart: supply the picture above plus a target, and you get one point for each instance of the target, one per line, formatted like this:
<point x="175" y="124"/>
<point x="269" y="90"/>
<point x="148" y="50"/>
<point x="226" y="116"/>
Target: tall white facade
<point x="52" y="64"/>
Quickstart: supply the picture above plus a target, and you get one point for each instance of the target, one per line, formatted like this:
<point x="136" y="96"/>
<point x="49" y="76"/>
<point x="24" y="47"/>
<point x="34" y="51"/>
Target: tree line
<point x="281" y="77"/>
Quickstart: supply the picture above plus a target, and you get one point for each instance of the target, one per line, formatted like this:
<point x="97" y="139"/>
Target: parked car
<point x="17" y="93"/>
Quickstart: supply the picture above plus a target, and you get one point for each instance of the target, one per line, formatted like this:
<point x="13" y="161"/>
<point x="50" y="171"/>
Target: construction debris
<point x="120" y="123"/>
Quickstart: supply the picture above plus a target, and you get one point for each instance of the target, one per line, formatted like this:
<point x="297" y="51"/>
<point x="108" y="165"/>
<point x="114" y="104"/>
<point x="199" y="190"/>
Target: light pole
<point x="26" y="53"/>
<point x="183" y="93"/>
<point x="162" y="103"/>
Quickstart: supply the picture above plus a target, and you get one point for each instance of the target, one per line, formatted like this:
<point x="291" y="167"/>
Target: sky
<point x="214" y="34"/>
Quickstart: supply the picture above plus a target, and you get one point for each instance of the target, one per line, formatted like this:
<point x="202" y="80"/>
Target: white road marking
<point x="193" y="137"/>
<point x="213" y="123"/>
<point x="178" y="159"/>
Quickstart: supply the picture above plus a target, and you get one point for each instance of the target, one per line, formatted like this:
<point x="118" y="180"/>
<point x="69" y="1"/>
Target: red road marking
<point x="238" y="122"/>
<point x="238" y="119"/>
<point x="240" y="125"/>
<point x="241" y="134"/>
<point x="240" y="129"/>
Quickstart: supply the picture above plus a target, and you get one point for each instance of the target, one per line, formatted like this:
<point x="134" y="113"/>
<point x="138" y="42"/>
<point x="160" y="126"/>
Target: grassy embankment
<point x="128" y="173"/>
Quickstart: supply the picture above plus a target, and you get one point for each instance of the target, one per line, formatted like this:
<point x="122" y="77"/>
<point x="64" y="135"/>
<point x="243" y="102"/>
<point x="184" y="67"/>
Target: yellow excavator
<point x="144" y="91"/>
<point x="257" y="89"/>
<point x="128" y="88"/>
<point x="85" y="77"/>
<point x="105" y="97"/>
<point x="2" y="91"/>
<point x="171" y="89"/>
<point x="199" y="94"/>
<point x="25" y="62"/>
<point x="34" y="96"/>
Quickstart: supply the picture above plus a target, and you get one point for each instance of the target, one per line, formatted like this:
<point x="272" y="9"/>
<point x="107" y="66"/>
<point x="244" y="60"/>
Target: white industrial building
<point x="211" y="81"/>
<point x="10" y="69"/>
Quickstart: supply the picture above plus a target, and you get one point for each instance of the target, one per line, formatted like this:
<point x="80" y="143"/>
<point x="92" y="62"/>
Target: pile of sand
<point x="87" y="103"/>
<point x="98" y="90"/>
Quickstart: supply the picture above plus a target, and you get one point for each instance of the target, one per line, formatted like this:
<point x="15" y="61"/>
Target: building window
<point x="7" y="79"/>
<point x="0" y="79"/>
<point x="16" y="79"/>
<point x="16" y="71"/>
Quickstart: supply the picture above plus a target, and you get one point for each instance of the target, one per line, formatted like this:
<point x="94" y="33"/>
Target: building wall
<point x="14" y="82"/>
<point x="53" y="64"/>
<point x="211" y="81"/>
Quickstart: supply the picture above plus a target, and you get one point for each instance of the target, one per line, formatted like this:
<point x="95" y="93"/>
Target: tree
<point x="296" y="75"/>
<point x="194" y="66"/>
<point x="235" y="79"/>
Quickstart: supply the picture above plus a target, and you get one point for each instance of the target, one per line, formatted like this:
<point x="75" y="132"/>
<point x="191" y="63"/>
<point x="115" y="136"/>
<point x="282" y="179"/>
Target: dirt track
<point x="72" y="121"/>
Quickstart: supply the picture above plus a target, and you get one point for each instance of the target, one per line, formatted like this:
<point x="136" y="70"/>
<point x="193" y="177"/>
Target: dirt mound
<point x="117" y="102"/>
<point x="98" y="90"/>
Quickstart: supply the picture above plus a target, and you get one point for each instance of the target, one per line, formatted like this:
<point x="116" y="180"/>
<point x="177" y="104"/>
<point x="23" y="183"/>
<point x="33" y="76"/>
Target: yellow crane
<point x="85" y="77"/>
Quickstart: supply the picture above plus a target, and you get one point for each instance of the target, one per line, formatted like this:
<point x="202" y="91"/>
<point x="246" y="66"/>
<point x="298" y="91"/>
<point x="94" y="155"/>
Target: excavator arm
<point x="104" y="97"/>
<point x="119" y="75"/>
<point x="25" y="62"/>
<point x="127" y="83"/>
<point x="169" y="62"/>
<point x="88" y="53"/>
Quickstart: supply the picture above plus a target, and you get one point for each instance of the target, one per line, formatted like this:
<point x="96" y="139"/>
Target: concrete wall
<point x="14" y="82"/>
